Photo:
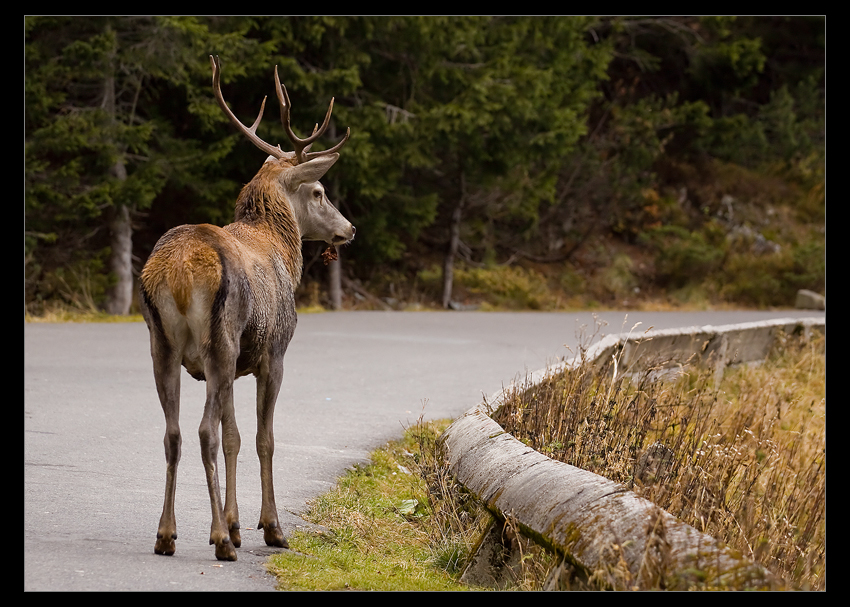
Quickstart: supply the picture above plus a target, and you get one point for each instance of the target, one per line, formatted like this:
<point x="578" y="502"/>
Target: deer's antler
<point x="302" y="146"/>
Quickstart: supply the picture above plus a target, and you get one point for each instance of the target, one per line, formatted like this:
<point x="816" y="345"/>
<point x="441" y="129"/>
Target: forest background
<point x="495" y="162"/>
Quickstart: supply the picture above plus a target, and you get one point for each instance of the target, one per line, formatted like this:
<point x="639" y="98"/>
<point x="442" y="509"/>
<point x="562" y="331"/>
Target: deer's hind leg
<point x="268" y="386"/>
<point x="167" y="376"/>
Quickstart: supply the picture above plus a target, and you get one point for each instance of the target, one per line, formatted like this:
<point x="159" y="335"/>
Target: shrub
<point x="773" y="280"/>
<point x="682" y="256"/>
<point x="510" y="287"/>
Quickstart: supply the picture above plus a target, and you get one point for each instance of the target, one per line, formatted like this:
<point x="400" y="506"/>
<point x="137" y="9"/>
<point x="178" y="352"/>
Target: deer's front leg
<point x="231" y="442"/>
<point x="219" y="391"/>
<point x="268" y="386"/>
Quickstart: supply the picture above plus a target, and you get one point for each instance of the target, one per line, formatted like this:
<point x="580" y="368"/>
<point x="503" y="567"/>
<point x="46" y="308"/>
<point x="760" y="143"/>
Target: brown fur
<point x="262" y="203"/>
<point x="265" y="224"/>
<point x="179" y="262"/>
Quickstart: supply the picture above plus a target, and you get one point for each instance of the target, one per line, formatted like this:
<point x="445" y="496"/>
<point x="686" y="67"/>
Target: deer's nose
<point x="343" y="238"/>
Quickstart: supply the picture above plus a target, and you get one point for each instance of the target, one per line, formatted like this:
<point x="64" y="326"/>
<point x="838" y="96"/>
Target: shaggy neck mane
<point x="262" y="203"/>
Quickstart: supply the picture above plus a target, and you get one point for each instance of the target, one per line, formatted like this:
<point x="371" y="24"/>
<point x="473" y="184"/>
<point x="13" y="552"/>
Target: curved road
<point x="94" y="466"/>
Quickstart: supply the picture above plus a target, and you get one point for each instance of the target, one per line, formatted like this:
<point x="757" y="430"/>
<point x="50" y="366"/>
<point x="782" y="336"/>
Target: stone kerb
<point x="581" y="515"/>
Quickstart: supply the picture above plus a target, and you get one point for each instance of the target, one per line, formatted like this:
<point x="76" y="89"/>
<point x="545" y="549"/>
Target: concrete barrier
<point x="586" y="518"/>
<point x="809" y="300"/>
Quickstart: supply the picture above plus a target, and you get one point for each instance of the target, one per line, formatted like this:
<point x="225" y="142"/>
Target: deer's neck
<point x="263" y="205"/>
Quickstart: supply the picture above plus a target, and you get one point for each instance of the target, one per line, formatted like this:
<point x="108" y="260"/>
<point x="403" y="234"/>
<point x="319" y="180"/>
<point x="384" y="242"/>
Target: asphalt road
<point x="94" y="466"/>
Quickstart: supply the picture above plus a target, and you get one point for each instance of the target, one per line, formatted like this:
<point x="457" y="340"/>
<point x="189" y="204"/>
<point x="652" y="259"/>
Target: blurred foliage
<point x="598" y="157"/>
<point x="680" y="254"/>
<point x="509" y="287"/>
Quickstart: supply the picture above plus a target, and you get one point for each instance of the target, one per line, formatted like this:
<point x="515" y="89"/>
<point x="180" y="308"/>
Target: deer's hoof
<point x="273" y="536"/>
<point x="235" y="535"/>
<point x="165" y="544"/>
<point x="224" y="550"/>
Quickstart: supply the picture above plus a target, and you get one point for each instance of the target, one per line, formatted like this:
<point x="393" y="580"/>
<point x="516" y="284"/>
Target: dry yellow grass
<point x="744" y="461"/>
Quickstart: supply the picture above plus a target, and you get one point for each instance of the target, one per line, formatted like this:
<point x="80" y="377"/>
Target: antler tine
<point x="335" y="148"/>
<point x="250" y="133"/>
<point x="303" y="145"/>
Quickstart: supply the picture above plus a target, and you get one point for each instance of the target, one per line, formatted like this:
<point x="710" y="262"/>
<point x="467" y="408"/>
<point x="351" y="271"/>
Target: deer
<point x="220" y="301"/>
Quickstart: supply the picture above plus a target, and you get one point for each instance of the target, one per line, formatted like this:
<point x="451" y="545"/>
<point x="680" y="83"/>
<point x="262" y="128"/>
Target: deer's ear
<point x="310" y="171"/>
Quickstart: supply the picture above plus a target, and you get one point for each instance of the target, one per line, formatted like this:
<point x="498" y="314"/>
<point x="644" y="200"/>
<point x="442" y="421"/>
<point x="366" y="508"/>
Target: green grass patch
<point x="396" y="523"/>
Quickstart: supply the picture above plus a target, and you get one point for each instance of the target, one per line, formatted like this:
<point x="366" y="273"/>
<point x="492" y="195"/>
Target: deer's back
<point x="227" y="288"/>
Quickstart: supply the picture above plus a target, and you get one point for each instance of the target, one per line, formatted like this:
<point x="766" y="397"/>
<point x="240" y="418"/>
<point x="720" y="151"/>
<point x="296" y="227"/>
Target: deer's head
<point x="296" y="173"/>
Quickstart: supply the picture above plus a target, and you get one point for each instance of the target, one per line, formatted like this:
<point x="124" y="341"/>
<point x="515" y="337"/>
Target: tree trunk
<point x="454" y="239"/>
<point x="120" y="295"/>
<point x="335" y="283"/>
<point x="335" y="267"/>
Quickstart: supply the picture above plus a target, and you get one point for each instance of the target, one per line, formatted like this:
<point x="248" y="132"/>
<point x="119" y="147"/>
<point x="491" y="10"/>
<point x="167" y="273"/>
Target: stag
<point x="220" y="302"/>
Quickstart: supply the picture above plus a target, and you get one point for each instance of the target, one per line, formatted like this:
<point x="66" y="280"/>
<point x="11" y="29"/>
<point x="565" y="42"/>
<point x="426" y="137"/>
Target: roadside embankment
<point x="582" y="515"/>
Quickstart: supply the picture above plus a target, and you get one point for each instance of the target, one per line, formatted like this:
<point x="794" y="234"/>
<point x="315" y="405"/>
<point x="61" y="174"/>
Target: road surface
<point x="94" y="466"/>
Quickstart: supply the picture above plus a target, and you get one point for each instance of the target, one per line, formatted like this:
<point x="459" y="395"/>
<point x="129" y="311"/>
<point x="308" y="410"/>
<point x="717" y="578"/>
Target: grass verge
<point x="397" y="523"/>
